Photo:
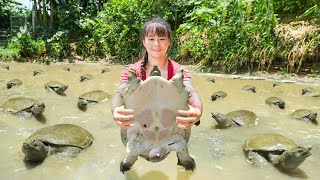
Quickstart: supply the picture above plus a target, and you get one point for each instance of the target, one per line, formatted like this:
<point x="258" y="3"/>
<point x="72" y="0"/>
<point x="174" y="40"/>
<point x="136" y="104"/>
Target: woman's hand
<point x="189" y="118"/>
<point x="123" y="117"/>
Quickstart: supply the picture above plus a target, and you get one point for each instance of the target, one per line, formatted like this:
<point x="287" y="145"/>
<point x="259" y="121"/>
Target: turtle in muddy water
<point x="155" y="134"/>
<point x="86" y="77"/>
<point x="307" y="90"/>
<point x="238" y="118"/>
<point x="66" y="68"/>
<point x="276" y="101"/>
<point x="305" y="115"/>
<point x="218" y="95"/>
<point x="64" y="140"/>
<point x="249" y="88"/>
<point x="92" y="97"/>
<point x="5" y="67"/>
<point x="279" y="150"/>
<point x="211" y="80"/>
<point x="56" y="86"/>
<point x="13" y="82"/>
<point x="23" y="106"/>
<point x="37" y="72"/>
<point x="105" y="70"/>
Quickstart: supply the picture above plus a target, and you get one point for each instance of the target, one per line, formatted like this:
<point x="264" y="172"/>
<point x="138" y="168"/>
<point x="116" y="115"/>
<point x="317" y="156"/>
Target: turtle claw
<point x="188" y="165"/>
<point x="124" y="167"/>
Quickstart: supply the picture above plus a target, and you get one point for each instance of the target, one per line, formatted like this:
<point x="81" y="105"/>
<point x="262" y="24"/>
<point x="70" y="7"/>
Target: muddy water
<point x="217" y="152"/>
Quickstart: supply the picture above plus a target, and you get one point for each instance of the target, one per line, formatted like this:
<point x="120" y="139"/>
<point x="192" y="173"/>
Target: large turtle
<point x="56" y="86"/>
<point x="276" y="102"/>
<point x="304" y="115"/>
<point x="155" y="102"/>
<point x="86" y="77"/>
<point x="92" y="97"/>
<point x="24" y="106"/>
<point x="238" y="118"/>
<point x="281" y="151"/>
<point x="218" y="95"/>
<point x="66" y="140"/>
<point x="13" y="82"/>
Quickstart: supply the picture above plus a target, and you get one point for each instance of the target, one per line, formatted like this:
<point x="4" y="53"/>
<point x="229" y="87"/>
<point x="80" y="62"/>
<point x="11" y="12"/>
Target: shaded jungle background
<point x="225" y="36"/>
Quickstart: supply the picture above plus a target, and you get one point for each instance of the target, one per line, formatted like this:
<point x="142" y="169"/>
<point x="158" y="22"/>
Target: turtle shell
<point x="304" y="114"/>
<point x="218" y="94"/>
<point x="54" y="84"/>
<point x="16" y="105"/>
<point x="95" y="96"/>
<point x="243" y="117"/>
<point x="13" y="82"/>
<point x="64" y="135"/>
<point x="155" y="102"/>
<point x="269" y="142"/>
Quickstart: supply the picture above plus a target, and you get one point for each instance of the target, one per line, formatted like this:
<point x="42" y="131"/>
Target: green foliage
<point x="27" y="46"/>
<point x="57" y="46"/>
<point x="231" y="34"/>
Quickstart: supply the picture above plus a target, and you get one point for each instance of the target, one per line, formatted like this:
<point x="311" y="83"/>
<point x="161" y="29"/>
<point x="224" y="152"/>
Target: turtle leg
<point x="127" y="163"/>
<point x="135" y="147"/>
<point x="291" y="158"/>
<point x="180" y="146"/>
<point x="256" y="159"/>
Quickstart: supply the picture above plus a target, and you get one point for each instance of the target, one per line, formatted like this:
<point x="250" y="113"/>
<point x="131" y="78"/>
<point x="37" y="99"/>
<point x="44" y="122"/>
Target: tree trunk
<point x="52" y="13"/>
<point x="44" y="14"/>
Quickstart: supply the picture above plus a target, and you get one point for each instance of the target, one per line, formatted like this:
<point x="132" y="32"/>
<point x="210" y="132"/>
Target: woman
<point x="156" y="36"/>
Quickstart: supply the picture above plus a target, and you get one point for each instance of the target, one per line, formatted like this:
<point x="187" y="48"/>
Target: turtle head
<point x="293" y="157"/>
<point x="82" y="104"/>
<point x="222" y="119"/>
<point x="155" y="71"/>
<point x="35" y="151"/>
<point x="61" y="89"/>
<point x="214" y="97"/>
<point x="9" y="85"/>
<point x="281" y="104"/>
<point x="312" y="116"/>
<point x="38" y="108"/>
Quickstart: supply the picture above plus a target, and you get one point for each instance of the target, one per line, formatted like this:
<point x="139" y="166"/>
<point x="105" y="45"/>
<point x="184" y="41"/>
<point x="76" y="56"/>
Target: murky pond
<point x="218" y="152"/>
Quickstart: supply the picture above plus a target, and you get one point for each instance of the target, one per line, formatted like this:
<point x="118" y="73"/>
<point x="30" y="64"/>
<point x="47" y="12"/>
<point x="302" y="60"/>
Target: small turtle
<point x="275" y="84"/>
<point x="5" y="67"/>
<point x="66" y="68"/>
<point x="92" y="97"/>
<point x="249" y="88"/>
<point x="155" y="134"/>
<point x="304" y="115"/>
<point x="86" y="77"/>
<point x="13" y="82"/>
<point x="279" y="150"/>
<point x="218" y="95"/>
<point x="104" y="70"/>
<point x="67" y="140"/>
<point x="275" y="101"/>
<point x="36" y="72"/>
<point x="238" y="118"/>
<point x="56" y="86"/>
<point x="211" y="80"/>
<point x="307" y="90"/>
<point x="23" y="106"/>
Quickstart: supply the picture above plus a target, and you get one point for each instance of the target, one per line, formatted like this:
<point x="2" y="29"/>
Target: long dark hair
<point x="155" y="26"/>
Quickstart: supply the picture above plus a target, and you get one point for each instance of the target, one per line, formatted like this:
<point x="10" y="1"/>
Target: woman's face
<point x="156" y="46"/>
